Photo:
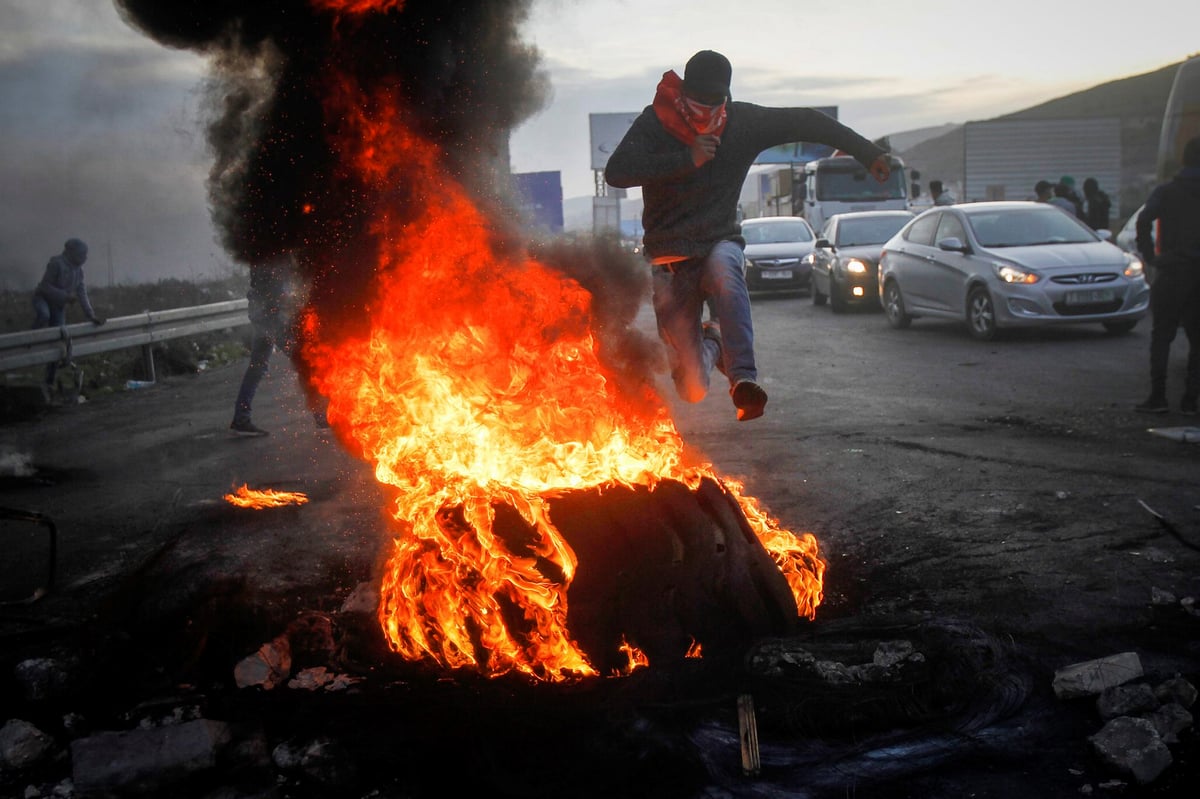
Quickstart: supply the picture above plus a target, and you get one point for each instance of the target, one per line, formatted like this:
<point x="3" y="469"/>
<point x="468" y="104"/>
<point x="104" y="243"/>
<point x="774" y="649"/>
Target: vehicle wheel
<point x="837" y="300"/>
<point x="893" y="306"/>
<point x="818" y="297"/>
<point x="981" y="314"/>
<point x="1119" y="328"/>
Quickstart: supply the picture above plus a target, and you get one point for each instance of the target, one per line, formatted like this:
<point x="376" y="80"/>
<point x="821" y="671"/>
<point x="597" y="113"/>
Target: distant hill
<point x="1139" y="101"/>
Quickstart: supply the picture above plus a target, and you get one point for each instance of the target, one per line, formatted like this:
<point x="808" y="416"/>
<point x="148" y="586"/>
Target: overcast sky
<point x="101" y="139"/>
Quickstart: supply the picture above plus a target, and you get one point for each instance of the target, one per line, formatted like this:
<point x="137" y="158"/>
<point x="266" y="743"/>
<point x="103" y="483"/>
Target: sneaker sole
<point x="750" y="400"/>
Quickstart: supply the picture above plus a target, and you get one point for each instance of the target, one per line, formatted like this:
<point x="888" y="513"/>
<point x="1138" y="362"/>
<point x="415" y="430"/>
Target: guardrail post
<point x="148" y="362"/>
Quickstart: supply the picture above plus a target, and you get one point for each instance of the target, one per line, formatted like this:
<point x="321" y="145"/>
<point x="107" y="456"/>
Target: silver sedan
<point x="997" y="265"/>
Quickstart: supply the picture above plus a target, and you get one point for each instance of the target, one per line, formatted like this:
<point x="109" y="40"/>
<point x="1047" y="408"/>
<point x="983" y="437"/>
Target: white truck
<point x="839" y="184"/>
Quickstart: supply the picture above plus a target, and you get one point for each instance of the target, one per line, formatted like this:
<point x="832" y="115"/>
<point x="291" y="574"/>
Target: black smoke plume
<point x="277" y="185"/>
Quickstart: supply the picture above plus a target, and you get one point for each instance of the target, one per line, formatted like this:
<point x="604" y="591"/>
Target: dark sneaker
<point x="1153" y="404"/>
<point x="749" y="398"/>
<point x="1187" y="406"/>
<point x="246" y="429"/>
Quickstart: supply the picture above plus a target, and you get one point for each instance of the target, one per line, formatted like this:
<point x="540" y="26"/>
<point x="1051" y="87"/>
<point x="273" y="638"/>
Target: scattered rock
<point x="1132" y="746"/>
<point x="146" y="761"/>
<point x="22" y="745"/>
<point x="266" y="668"/>
<point x="1170" y="720"/>
<point x="1178" y="690"/>
<point x="1093" y="676"/>
<point x="1126" y="700"/>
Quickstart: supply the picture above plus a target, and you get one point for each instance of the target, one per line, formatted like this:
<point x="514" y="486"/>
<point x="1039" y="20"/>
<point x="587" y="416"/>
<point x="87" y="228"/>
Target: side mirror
<point x="916" y="190"/>
<point x="1104" y="234"/>
<point x="914" y="174"/>
<point x="953" y="244"/>
<point x="823" y="244"/>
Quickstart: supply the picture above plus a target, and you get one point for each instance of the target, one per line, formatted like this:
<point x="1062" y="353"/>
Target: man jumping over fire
<point x="690" y="151"/>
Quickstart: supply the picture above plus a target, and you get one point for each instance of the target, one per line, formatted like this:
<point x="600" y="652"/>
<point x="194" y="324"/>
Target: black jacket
<point x="1175" y="205"/>
<point x="687" y="210"/>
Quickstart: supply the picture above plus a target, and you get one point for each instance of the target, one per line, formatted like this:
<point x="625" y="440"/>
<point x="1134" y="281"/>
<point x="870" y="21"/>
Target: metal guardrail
<point x="61" y="344"/>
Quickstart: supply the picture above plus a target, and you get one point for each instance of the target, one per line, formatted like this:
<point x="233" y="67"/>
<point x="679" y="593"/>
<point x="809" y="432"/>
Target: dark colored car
<point x="1009" y="264"/>
<point x="775" y="250"/>
<point x="845" y="259"/>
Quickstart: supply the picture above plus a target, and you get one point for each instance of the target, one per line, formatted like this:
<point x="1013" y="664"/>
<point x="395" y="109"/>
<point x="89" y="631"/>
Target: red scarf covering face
<point x="683" y="118"/>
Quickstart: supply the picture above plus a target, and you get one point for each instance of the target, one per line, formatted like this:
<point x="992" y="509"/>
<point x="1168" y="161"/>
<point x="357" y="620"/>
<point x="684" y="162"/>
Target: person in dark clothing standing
<point x="61" y="285"/>
<point x="690" y="151"/>
<point x="1175" y="292"/>
<point x="273" y="304"/>
<point x="1098" y="206"/>
<point x="1066" y="188"/>
<point x="939" y="194"/>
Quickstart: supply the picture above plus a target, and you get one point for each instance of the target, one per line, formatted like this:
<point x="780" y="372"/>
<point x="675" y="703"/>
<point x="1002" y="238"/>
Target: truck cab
<point x="839" y="184"/>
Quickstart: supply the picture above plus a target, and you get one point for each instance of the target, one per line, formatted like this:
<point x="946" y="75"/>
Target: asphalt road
<point x="996" y="483"/>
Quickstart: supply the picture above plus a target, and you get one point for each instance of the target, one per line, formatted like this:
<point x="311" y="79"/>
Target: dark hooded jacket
<point x="63" y="282"/>
<point x="687" y="209"/>
<point x="1175" y="205"/>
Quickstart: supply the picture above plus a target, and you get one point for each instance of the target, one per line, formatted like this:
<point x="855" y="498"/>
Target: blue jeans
<point x="45" y="315"/>
<point x="261" y="346"/>
<point x="680" y="293"/>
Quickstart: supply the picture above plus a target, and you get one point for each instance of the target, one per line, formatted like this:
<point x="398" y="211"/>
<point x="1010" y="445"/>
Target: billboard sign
<point x="541" y="198"/>
<point x="607" y="130"/>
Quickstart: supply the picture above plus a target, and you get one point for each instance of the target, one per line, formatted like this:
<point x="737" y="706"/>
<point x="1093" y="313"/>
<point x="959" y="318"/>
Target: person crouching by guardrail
<point x="61" y="285"/>
<point x="274" y="301"/>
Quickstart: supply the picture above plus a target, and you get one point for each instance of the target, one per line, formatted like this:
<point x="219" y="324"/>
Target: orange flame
<point x="695" y="651"/>
<point x="637" y="658"/>
<point x="480" y="384"/>
<point x="259" y="499"/>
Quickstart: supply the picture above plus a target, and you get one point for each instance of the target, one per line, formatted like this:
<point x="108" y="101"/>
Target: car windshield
<point x="869" y="230"/>
<point x="1025" y="227"/>
<point x="776" y="232"/>
<point x="855" y="184"/>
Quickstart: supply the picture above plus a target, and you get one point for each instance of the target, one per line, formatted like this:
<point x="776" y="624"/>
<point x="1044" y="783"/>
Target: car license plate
<point x="1089" y="296"/>
<point x="780" y="274"/>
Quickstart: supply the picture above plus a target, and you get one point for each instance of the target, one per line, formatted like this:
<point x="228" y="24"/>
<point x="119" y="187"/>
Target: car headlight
<point x="856" y="267"/>
<point x="1012" y="274"/>
<point x="809" y="259"/>
<point x="1134" y="268"/>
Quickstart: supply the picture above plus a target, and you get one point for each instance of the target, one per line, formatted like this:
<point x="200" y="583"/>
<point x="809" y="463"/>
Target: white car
<point x="1009" y="264"/>
<point x="1127" y="235"/>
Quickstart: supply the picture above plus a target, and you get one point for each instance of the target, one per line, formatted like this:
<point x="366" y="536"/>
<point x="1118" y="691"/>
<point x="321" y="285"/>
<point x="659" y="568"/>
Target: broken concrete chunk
<point x="1093" y="676"/>
<point x="1126" y="700"/>
<point x="267" y="668"/>
<point x="146" y="760"/>
<point x="1176" y="689"/>
<point x="22" y="745"/>
<point x="1132" y="746"/>
<point x="1170" y="720"/>
<point x="311" y="679"/>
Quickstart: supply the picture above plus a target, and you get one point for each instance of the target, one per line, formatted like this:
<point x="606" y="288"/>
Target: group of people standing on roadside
<point x="1094" y="208"/>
